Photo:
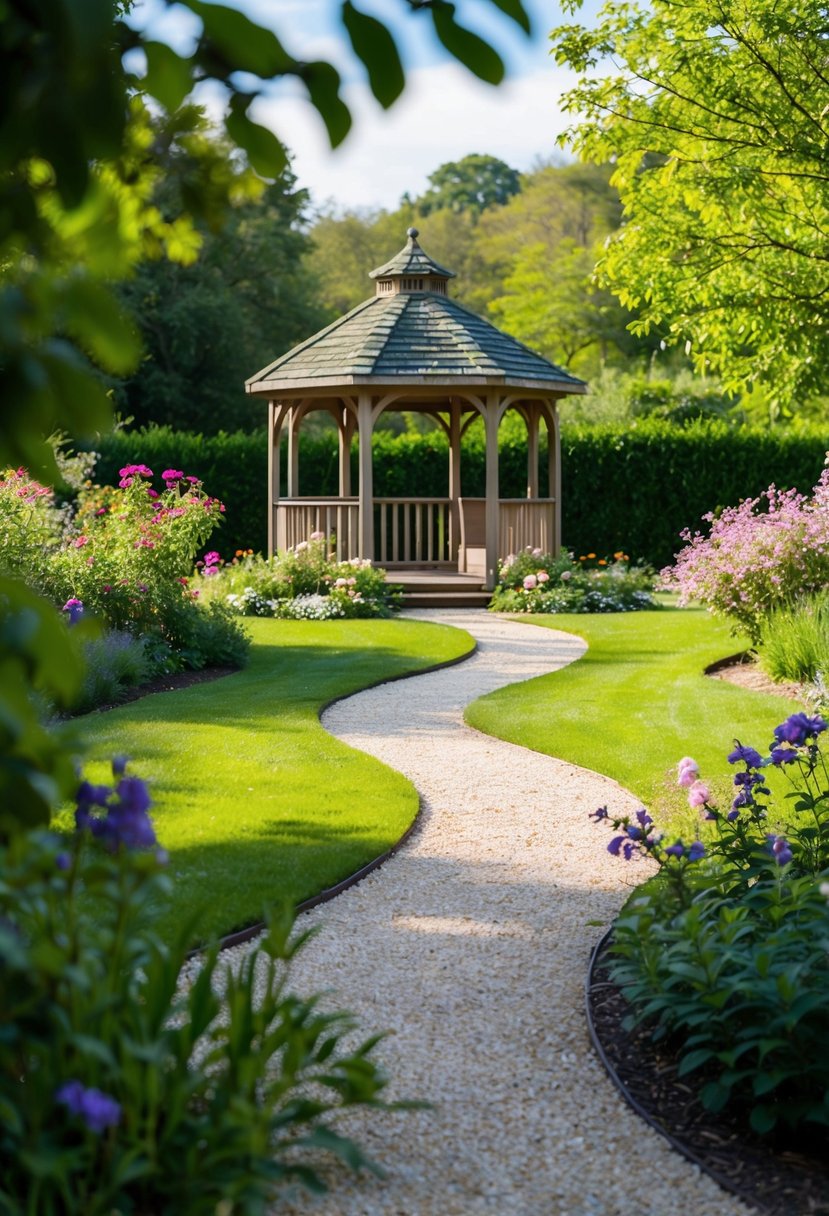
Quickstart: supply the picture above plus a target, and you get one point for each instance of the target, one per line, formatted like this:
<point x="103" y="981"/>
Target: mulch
<point x="775" y="1177"/>
<point x="171" y="683"/>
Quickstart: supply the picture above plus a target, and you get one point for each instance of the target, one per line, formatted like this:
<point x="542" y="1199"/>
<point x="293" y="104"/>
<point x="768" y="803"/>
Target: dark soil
<point x="171" y="683"/>
<point x="775" y="1178"/>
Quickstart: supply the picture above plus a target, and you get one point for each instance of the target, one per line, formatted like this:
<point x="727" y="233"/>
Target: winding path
<point x="472" y="946"/>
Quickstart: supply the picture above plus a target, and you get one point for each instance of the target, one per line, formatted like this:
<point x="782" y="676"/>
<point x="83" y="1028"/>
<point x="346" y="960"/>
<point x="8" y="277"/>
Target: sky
<point x="444" y="113"/>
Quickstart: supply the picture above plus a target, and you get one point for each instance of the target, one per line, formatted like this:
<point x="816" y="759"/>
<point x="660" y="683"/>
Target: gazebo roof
<point x="411" y="332"/>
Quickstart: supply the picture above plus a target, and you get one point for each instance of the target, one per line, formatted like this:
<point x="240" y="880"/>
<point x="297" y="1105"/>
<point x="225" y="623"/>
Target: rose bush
<point x="533" y="581"/>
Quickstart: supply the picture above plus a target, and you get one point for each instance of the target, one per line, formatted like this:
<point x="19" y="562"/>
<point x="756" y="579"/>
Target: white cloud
<point x="444" y="114"/>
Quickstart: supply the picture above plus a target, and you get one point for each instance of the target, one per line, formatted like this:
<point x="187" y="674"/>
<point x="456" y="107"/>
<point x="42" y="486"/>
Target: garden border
<point x="240" y="936"/>
<point x="590" y="985"/>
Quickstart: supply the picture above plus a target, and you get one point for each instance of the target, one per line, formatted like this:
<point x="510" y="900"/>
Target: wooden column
<point x="554" y="469"/>
<point x="293" y="452"/>
<point x="492" y="509"/>
<point x="365" y="426"/>
<point x="273" y="489"/>
<point x="454" y="478"/>
<point x="532" y="416"/>
<point x="346" y="432"/>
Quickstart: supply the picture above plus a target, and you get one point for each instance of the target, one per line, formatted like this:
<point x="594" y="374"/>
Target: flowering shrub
<point x="532" y="581"/>
<point x="30" y="525"/>
<point x="126" y="1083"/>
<point x="303" y="583"/>
<point x="763" y="554"/>
<point x="726" y="949"/>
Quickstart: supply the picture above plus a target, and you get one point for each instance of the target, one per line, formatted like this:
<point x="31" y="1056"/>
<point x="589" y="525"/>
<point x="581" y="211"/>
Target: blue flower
<point x="780" y="849"/>
<point x="745" y="754"/>
<point x="783" y="755"/>
<point x="98" y="1110"/>
<point x="615" y="845"/>
<point x="675" y="850"/>
<point x="644" y="818"/>
<point x="696" y="851"/>
<point x="599" y="814"/>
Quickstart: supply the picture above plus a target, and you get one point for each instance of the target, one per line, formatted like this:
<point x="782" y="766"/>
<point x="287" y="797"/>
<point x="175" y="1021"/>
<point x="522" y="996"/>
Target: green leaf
<point x="100" y="326"/>
<point x="695" y="1059"/>
<point x="246" y="46"/>
<point x="168" y="77"/>
<point x="265" y="152"/>
<point x="763" y="1119"/>
<point x="516" y="11"/>
<point x="374" y="45"/>
<point x="468" y="48"/>
<point x="323" y="84"/>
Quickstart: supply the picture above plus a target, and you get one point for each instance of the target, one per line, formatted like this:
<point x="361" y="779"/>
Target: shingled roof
<point x="411" y="331"/>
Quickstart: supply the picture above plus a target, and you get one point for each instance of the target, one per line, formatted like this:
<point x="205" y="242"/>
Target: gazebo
<point x="411" y="347"/>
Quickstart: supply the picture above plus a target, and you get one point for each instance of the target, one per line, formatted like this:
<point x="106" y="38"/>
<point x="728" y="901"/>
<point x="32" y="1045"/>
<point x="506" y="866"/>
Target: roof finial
<point x="413" y="233"/>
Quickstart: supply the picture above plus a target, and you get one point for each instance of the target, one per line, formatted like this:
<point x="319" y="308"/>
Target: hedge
<point x="632" y="487"/>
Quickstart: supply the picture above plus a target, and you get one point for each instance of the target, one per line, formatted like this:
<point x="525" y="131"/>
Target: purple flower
<point x="644" y="818"/>
<point x="98" y="1110"/>
<point x="119" y="765"/>
<point x="783" y="755"/>
<point x="745" y="754"/>
<point x="74" y="608"/>
<point x="675" y="850"/>
<point x="780" y="849"/>
<point x="747" y="779"/>
<point x="63" y="861"/>
<point x="599" y="814"/>
<point x="696" y="851"/>
<point x="615" y="845"/>
<point x="798" y="728"/>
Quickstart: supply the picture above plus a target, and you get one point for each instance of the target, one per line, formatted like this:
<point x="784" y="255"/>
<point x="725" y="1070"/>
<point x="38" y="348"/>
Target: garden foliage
<point x="725" y="952"/>
<point x="130" y="1082"/>
<point x="794" y="642"/>
<point x="303" y="583"/>
<point x="532" y="581"/>
<point x="761" y="555"/>
<point x="624" y="487"/>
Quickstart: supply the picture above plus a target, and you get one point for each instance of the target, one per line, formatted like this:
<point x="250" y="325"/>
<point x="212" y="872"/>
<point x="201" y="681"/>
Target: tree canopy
<point x="471" y="184"/>
<point x="715" y="116"/>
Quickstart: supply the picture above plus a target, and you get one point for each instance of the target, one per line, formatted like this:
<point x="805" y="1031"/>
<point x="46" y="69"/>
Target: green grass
<point x="254" y="801"/>
<point x="636" y="702"/>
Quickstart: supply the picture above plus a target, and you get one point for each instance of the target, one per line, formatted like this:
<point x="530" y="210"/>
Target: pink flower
<point x="101" y="511"/>
<point x="698" y="794"/>
<point x="194" y="481"/>
<point x="81" y="541"/>
<point x="530" y="582"/>
<point x="543" y="576"/>
<point x="212" y="558"/>
<point x="536" y="553"/>
<point x="172" y="475"/>
<point x="687" y="771"/>
<point x="565" y="574"/>
<point x="317" y="536"/>
<point x="153" y="494"/>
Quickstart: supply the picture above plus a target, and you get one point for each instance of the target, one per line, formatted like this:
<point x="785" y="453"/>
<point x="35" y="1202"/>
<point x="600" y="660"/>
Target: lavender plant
<point x="131" y="1084"/>
<point x="724" y="952"/>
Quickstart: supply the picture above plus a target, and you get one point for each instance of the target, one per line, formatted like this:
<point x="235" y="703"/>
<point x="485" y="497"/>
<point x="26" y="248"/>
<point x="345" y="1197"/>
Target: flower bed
<point x="303" y="583"/>
<point x="533" y="581"/>
<point x="725" y="951"/>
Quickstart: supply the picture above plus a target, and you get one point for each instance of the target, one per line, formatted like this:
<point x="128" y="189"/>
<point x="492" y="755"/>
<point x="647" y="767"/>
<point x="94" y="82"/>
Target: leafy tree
<point x="208" y="325"/>
<point x="471" y="184"/>
<point x="538" y="254"/>
<point x="715" y="117"/>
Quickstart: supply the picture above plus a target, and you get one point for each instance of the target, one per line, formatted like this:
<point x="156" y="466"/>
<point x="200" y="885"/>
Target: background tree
<point x="715" y="116"/>
<point x="471" y="184"/>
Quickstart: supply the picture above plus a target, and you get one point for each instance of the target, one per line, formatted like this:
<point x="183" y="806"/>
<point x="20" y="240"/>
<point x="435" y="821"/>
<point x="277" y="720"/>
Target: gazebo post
<point x="273" y="482"/>
<point x="454" y="478"/>
<point x="532" y="417"/>
<point x="365" y="426"/>
<point x="345" y="431"/>
<point x="554" y="469"/>
<point x="293" y="452"/>
<point x="492" y="507"/>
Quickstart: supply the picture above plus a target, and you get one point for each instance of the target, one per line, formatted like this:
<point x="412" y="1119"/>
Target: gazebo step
<point x="446" y="599"/>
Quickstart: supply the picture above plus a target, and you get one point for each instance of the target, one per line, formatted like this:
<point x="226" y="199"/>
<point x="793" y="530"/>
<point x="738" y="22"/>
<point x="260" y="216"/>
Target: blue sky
<point x="443" y="114"/>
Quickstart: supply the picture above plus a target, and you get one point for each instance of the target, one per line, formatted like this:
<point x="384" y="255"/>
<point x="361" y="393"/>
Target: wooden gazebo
<point x="413" y="348"/>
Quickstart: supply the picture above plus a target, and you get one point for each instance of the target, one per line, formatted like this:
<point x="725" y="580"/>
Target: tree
<point x="716" y="119"/>
<point x="206" y="326"/>
<point x="79" y="164"/>
<point x="471" y="184"/>
<point x="539" y="252"/>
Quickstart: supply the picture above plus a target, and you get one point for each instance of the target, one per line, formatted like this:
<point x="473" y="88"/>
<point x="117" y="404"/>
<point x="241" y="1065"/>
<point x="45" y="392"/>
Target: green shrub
<point x="794" y="641"/>
<point x="130" y="1082"/>
<point x="113" y="664"/>
<point x="537" y="582"/>
<point x="726" y="950"/>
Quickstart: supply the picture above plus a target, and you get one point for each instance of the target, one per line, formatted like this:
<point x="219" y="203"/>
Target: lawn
<point x="636" y="702"/>
<point x="254" y="801"/>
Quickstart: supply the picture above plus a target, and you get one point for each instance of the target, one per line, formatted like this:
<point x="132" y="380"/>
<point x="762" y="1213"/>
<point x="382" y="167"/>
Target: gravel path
<point x="472" y="946"/>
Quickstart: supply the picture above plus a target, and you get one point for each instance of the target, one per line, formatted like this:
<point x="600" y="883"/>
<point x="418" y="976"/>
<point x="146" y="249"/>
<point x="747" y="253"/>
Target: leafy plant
<point x="131" y="1080"/>
<point x="725" y="949"/>
<point x="794" y="641"/>
<point x="113" y="663"/>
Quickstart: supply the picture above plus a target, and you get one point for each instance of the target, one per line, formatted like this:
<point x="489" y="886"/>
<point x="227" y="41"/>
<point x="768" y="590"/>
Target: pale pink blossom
<point x="530" y="582"/>
<point x="698" y="794"/>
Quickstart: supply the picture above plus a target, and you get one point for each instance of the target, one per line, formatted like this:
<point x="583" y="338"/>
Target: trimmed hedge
<point x="630" y="487"/>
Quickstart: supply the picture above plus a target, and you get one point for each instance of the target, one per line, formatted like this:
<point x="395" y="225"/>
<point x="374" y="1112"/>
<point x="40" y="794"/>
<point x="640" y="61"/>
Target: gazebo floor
<point x="438" y="587"/>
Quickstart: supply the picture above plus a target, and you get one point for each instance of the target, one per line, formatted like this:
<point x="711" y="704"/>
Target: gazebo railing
<point x="526" y="522"/>
<point x="297" y="519"/>
<point x="412" y="531"/>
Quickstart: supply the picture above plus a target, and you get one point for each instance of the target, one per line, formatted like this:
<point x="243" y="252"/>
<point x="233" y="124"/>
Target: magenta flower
<point x="74" y="609"/>
<point x="172" y="475"/>
<point x="212" y="558"/>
